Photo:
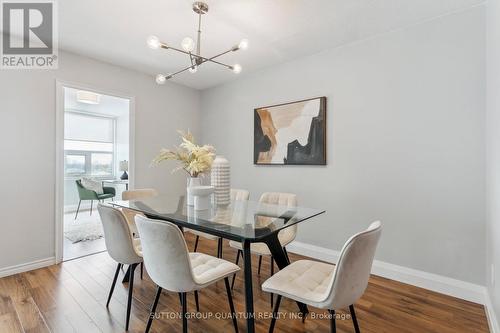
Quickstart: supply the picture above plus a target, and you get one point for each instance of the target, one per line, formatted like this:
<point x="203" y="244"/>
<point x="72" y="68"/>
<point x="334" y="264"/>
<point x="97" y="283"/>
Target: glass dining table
<point x="242" y="221"/>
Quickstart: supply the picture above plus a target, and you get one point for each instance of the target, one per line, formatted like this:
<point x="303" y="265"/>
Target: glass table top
<point x="238" y="221"/>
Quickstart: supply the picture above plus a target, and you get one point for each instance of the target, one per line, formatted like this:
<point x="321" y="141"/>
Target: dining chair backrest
<point x="278" y="198"/>
<point x="239" y="195"/>
<point x="352" y="271"/>
<point x="117" y="235"/>
<point x="165" y="254"/>
<point x="140" y="193"/>
<point x="283" y="199"/>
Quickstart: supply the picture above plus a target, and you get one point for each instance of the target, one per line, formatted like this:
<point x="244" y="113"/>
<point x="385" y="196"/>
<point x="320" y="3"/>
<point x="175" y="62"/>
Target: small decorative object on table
<point x="201" y="195"/>
<point x="195" y="160"/>
<point x="221" y="181"/>
<point x="124" y="168"/>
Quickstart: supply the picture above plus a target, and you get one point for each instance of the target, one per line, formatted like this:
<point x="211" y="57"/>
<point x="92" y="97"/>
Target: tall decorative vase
<point x="192" y="182"/>
<point x="221" y="181"/>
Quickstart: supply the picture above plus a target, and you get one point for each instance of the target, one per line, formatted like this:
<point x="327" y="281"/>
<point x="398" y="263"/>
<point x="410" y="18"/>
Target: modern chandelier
<point x="188" y="46"/>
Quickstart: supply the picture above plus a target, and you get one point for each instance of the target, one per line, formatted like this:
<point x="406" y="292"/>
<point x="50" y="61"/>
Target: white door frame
<point x="59" y="200"/>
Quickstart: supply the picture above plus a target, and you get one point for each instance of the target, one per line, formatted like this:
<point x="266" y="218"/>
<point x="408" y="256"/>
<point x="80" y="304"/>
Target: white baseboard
<point x="438" y="283"/>
<point x="492" y="317"/>
<point x="11" y="270"/>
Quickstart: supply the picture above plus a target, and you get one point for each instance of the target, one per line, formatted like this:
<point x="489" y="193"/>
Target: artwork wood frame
<point x="292" y="133"/>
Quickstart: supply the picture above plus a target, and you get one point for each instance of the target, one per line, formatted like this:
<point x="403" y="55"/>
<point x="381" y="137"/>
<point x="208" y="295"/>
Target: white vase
<point x="191" y="182"/>
<point x="201" y="196"/>
<point x="221" y="180"/>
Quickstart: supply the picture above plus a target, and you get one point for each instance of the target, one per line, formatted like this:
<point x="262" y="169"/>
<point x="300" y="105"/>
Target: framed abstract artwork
<point x="291" y="133"/>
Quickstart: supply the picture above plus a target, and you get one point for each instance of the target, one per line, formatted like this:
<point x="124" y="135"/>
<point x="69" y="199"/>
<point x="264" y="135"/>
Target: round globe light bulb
<point x="243" y="44"/>
<point x="193" y="69"/>
<point x="187" y="44"/>
<point x="161" y="79"/>
<point x="236" y="69"/>
<point x="153" y="42"/>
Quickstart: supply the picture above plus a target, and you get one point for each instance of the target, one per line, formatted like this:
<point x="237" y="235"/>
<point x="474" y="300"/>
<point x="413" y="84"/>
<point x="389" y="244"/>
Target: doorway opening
<point x="96" y="153"/>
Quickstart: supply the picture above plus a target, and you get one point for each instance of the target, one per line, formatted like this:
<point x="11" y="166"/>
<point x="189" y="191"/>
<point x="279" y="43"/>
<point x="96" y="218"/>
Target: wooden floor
<point x="71" y="297"/>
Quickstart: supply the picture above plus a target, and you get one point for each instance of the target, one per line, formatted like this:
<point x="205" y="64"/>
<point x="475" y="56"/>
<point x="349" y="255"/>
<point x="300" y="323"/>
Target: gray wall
<point x="405" y="127"/>
<point x="493" y="153"/>
<point x="27" y="144"/>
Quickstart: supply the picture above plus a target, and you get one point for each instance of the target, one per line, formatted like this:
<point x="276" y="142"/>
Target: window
<point x="101" y="164"/>
<point x="88" y="145"/>
<point x="75" y="164"/>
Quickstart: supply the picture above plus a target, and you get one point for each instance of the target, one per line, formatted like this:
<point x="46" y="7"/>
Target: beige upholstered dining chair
<point x="173" y="268"/>
<point x="285" y="236"/>
<point x="327" y="286"/>
<point x="121" y="247"/>
<point x="142" y="193"/>
<point x="236" y="195"/>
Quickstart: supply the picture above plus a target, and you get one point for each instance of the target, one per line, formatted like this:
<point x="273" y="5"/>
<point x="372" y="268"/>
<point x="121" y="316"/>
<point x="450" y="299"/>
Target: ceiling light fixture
<point x="87" y="97"/>
<point x="188" y="45"/>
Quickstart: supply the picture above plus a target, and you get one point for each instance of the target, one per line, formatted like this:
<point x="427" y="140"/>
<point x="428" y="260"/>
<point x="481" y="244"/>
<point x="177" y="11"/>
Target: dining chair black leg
<point x="275" y="314"/>
<point x="142" y="269"/>
<point x="236" y="262"/>
<point x="260" y="264"/>
<point x="196" y="243"/>
<point x="78" y="209"/>
<point x="333" y="326"/>
<point x="196" y="300"/>
<point x="130" y="290"/>
<point x="113" y="284"/>
<point x="220" y="244"/>
<point x="126" y="275"/>
<point x="272" y="273"/>
<point x="231" y="304"/>
<point x="354" y="319"/>
<point x="91" y="202"/>
<point x="184" y="314"/>
<point x="152" y="312"/>
<point x="180" y="298"/>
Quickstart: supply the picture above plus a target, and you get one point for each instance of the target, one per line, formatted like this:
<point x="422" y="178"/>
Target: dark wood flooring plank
<point x="26" y="309"/>
<point x="61" y="311"/>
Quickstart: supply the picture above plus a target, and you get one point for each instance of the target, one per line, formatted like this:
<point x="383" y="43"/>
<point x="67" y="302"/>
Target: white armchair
<point x="171" y="266"/>
<point x="121" y="247"/>
<point x="327" y="286"/>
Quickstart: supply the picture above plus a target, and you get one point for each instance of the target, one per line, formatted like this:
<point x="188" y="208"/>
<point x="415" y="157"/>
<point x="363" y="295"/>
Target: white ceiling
<point x="278" y="30"/>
